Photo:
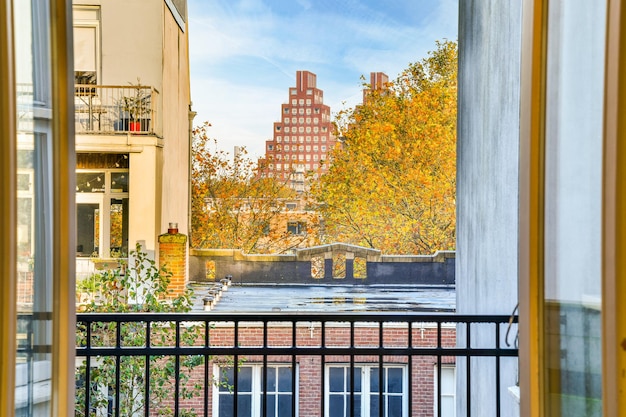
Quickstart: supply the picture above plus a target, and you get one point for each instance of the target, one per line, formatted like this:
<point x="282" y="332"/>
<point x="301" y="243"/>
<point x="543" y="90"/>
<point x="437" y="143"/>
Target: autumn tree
<point x="234" y="207"/>
<point x="391" y="186"/>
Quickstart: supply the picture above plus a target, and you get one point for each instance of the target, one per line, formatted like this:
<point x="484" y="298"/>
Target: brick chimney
<point x="173" y="255"/>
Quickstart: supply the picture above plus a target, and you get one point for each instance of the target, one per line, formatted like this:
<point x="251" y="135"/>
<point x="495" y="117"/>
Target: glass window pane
<point x="284" y="406"/>
<point x="88" y="229"/>
<point x="226" y="405"/>
<point x="271" y="379"/>
<point x="271" y="405"/>
<point x="394" y="380"/>
<point x="244" y="405"/>
<point x="85" y="48"/>
<point x="357" y="379"/>
<point x="374" y="382"/>
<point x="119" y="227"/>
<point x="245" y="379"/>
<point x="226" y="379"/>
<point x="336" y="406"/>
<point x="374" y="406"/>
<point x="284" y="379"/>
<point x="357" y="406"/>
<point x="119" y="182"/>
<point x="90" y="182"/>
<point x="394" y="406"/>
<point x="573" y="197"/>
<point x="336" y="379"/>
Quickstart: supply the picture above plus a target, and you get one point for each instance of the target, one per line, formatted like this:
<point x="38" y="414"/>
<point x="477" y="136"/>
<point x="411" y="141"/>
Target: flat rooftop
<point x="265" y="298"/>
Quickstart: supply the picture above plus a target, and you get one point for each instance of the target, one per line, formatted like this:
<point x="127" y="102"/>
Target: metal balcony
<point x="107" y="109"/>
<point x="183" y="364"/>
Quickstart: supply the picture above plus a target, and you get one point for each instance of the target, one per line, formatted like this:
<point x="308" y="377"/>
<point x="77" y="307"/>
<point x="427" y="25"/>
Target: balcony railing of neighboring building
<point x="288" y="365"/>
<point x="115" y="109"/>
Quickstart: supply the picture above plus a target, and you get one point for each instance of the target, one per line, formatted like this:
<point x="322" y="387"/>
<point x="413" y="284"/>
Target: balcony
<point x="288" y="365"/>
<point x="105" y="109"/>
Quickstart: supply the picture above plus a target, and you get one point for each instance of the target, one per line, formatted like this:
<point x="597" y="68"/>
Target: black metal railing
<point x="284" y="364"/>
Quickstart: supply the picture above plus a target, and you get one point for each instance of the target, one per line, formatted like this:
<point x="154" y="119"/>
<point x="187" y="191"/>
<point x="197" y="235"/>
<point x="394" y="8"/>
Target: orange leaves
<point x="392" y="184"/>
<point x="232" y="207"/>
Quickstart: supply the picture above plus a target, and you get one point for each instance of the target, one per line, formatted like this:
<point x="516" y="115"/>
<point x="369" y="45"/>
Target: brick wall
<point x="310" y="368"/>
<point x="173" y="255"/>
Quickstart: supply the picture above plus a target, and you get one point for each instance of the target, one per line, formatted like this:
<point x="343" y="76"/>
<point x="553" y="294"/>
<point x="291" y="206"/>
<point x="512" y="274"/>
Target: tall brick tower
<point x="378" y="81"/>
<point x="303" y="137"/>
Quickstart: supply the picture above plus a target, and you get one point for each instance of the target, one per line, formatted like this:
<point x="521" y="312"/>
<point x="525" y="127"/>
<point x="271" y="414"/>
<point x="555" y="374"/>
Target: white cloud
<point x="244" y="54"/>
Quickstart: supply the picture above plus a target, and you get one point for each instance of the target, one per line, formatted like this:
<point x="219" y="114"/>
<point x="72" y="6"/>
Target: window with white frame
<point x="448" y="391"/>
<point x="102" y="212"/>
<point x="250" y="391"/>
<point x="367" y="393"/>
<point x="86" y="44"/>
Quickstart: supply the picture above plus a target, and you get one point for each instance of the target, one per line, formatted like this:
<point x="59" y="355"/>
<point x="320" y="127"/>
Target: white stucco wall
<point x="142" y="40"/>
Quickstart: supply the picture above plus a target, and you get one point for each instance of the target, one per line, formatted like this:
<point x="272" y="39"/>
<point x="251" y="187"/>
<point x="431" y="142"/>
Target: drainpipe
<point x="192" y="114"/>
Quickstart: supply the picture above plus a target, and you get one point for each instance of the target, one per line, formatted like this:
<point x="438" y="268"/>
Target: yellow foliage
<point x="392" y="184"/>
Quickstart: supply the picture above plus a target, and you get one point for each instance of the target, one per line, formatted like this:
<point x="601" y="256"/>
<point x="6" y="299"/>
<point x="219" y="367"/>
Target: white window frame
<point x="445" y="368"/>
<point x="365" y="387"/>
<point x="103" y="199"/>
<point x="257" y="389"/>
<point x="91" y="23"/>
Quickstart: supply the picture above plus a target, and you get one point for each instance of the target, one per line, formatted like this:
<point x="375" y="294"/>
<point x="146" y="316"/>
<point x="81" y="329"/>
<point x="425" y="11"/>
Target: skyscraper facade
<point x="303" y="138"/>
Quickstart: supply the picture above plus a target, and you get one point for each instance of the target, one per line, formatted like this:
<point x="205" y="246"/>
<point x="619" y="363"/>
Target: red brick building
<point x="323" y="382"/>
<point x="303" y="137"/>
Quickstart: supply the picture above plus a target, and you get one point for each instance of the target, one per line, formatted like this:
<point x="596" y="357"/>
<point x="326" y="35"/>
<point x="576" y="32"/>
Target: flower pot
<point x="134" y="126"/>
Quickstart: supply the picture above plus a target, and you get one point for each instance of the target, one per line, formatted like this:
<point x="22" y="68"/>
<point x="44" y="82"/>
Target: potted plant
<point x="136" y="109"/>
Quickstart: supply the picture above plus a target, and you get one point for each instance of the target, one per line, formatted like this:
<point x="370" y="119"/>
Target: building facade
<point x="378" y="81"/>
<point x="323" y="383"/>
<point x="35" y="39"/>
<point x="133" y="123"/>
<point x="303" y="138"/>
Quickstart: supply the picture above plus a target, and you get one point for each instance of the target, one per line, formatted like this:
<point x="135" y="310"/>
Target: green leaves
<point x="138" y="285"/>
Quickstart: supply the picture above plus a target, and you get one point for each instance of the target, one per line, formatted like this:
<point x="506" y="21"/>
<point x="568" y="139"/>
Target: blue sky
<point x="244" y="54"/>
